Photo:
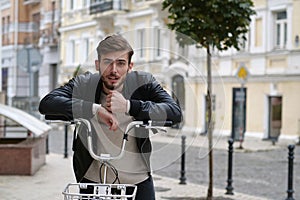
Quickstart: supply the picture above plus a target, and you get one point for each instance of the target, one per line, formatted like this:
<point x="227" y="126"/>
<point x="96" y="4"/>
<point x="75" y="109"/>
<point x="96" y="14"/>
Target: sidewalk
<point x="50" y="180"/>
<point x="249" y="144"/>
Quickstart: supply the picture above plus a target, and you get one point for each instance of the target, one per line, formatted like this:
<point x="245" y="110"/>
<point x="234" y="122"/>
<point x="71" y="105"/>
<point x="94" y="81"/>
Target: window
<point x="8" y="22"/>
<point x="85" y="49"/>
<point x="4" y="79"/>
<point x="97" y="6"/>
<point x="36" y="20"/>
<point x="70" y="52"/>
<point x="280" y="29"/>
<point x="86" y="3"/>
<point x="242" y="42"/>
<point x="72" y="4"/>
<point x="157" y="42"/>
<point x="258" y="32"/>
<point x="183" y="51"/>
<point x="141" y="40"/>
<point x="3" y="30"/>
<point x="6" y="29"/>
<point x="3" y="25"/>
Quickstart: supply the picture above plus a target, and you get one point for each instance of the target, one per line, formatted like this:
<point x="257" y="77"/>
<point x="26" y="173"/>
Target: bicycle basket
<point x="100" y="191"/>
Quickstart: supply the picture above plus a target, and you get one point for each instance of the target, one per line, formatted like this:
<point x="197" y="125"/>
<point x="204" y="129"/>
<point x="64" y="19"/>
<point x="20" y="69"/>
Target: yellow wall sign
<point x="242" y="73"/>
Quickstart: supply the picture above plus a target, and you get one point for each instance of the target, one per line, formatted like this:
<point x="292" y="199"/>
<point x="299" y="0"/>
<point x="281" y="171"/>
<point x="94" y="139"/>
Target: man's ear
<point x="97" y="65"/>
<point x="130" y="66"/>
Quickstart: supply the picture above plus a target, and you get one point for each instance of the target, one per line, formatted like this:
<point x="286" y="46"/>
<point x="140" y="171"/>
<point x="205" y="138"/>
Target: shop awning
<point x="34" y="125"/>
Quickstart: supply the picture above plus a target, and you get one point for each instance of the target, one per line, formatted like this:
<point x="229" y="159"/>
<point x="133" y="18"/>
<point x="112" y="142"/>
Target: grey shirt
<point x="131" y="167"/>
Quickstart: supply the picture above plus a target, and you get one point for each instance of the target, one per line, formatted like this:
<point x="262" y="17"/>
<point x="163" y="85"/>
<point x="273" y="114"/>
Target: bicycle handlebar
<point x="158" y="123"/>
<point x="146" y="124"/>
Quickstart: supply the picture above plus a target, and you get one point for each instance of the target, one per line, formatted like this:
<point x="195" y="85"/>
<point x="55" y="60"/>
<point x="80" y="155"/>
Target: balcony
<point x="28" y="2"/>
<point x="100" y="6"/>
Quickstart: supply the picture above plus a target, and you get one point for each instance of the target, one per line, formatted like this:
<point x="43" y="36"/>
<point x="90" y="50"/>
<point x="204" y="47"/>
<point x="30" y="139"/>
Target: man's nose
<point x="113" y="66"/>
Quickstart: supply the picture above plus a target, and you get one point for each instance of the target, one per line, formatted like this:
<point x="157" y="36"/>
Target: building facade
<point x="264" y="104"/>
<point x="270" y="57"/>
<point x="29" y="43"/>
<point x="268" y="97"/>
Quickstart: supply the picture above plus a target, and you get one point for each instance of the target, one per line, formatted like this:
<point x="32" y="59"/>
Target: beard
<point x="110" y="86"/>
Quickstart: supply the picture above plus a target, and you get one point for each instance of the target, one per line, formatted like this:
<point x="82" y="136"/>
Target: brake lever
<point x="156" y="126"/>
<point x="157" y="129"/>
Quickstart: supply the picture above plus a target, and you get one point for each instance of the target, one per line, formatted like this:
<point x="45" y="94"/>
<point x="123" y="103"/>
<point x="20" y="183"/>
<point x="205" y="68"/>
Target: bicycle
<point x="104" y="191"/>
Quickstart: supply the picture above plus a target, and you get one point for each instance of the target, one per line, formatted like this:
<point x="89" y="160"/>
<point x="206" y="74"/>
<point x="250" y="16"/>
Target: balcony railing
<point x="100" y="6"/>
<point x="28" y="2"/>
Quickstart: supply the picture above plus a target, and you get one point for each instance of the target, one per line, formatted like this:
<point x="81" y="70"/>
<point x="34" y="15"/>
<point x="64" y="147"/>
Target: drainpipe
<point x="1" y="47"/>
<point x="59" y="63"/>
<point x="298" y="132"/>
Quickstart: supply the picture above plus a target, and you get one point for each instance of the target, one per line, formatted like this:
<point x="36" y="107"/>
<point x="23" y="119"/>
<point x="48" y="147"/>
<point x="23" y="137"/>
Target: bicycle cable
<point x="112" y="168"/>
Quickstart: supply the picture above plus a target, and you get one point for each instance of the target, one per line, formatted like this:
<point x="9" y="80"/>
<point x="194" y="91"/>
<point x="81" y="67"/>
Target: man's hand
<point x="115" y="102"/>
<point x="108" y="118"/>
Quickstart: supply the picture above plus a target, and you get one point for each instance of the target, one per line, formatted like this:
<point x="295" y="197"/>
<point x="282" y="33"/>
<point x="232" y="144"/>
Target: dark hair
<point x="114" y="43"/>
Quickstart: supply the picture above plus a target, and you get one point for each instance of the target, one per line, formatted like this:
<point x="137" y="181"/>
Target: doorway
<point x="275" y="116"/>
<point x="239" y="110"/>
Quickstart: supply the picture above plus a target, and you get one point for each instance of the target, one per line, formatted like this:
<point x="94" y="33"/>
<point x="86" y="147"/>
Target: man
<point x="110" y="100"/>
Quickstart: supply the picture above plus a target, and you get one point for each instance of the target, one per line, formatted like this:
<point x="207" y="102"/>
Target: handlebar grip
<point x="159" y="123"/>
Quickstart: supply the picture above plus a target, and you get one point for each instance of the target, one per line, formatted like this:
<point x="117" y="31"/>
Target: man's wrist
<point x="127" y="106"/>
<point x="95" y="108"/>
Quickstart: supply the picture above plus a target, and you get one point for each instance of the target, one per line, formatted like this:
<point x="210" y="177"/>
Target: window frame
<point x="281" y="29"/>
<point x="141" y="43"/>
<point x="157" y="42"/>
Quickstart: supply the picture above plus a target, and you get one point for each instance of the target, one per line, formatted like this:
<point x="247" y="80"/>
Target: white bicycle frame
<point x="102" y="191"/>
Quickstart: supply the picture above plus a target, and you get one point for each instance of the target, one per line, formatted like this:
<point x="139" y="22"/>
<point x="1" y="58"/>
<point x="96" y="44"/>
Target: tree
<point x="219" y="24"/>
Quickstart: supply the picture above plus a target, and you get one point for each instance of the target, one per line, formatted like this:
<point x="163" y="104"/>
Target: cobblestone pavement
<point x="260" y="170"/>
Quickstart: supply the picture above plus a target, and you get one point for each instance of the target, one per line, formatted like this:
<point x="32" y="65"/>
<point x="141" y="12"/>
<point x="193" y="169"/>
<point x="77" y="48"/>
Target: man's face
<point x="113" y="68"/>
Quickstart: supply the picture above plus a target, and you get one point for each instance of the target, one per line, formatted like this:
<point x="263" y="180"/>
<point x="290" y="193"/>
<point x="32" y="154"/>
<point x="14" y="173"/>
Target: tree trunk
<point x="210" y="125"/>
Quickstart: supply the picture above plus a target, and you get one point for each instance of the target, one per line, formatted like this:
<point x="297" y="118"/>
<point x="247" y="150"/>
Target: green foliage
<point x="217" y="23"/>
<point x="78" y="71"/>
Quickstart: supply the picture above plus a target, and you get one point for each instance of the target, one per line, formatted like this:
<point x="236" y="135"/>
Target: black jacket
<point x="147" y="98"/>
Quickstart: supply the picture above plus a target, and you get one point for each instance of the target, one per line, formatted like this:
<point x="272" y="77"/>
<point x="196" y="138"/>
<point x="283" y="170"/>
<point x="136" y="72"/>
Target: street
<point x="255" y="173"/>
<point x="259" y="173"/>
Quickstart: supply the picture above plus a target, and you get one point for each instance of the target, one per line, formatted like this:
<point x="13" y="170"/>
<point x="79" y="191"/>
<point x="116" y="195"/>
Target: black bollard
<point x="66" y="141"/>
<point x="47" y="144"/>
<point x="290" y="190"/>
<point x="182" y="171"/>
<point x="229" y="188"/>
